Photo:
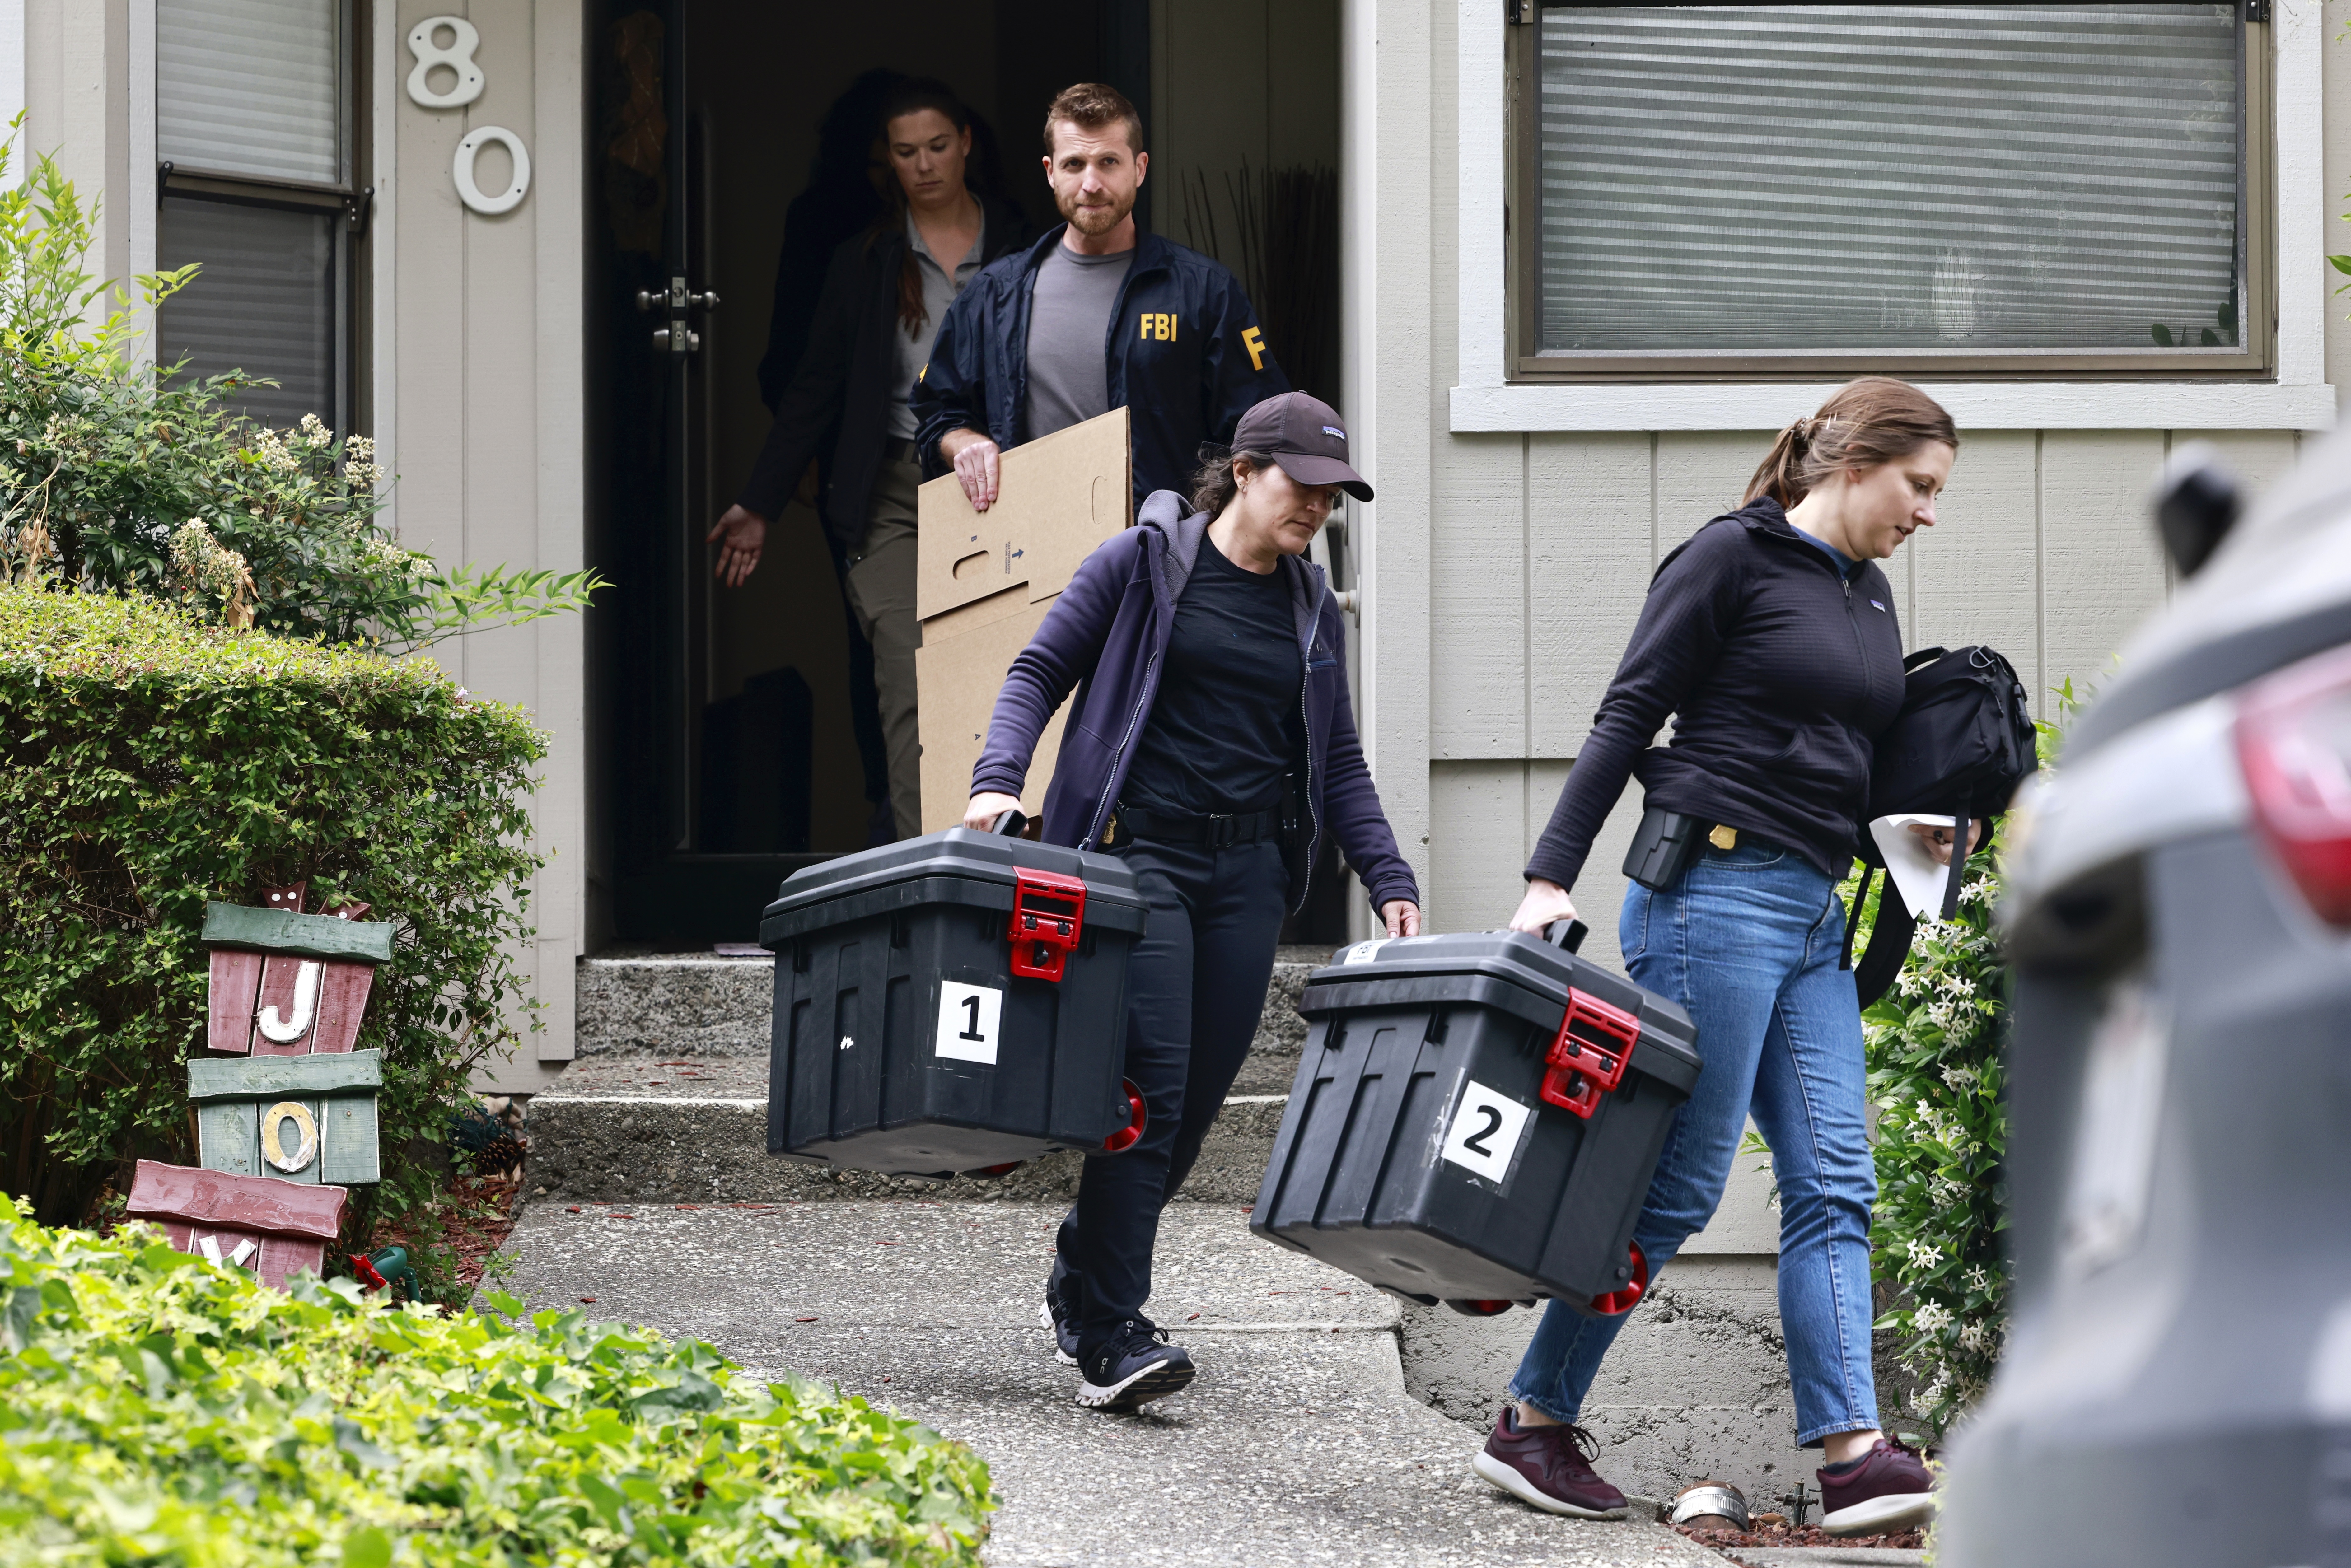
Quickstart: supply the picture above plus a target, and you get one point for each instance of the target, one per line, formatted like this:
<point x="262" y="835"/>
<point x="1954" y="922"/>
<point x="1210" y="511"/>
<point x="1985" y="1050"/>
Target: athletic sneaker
<point x="1060" y="1312"/>
<point x="1886" y="1488"/>
<point x="1550" y="1467"/>
<point x="1137" y="1366"/>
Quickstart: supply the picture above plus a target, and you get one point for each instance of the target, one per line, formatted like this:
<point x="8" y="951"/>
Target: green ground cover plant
<point x="157" y="1409"/>
<point x="151" y="762"/>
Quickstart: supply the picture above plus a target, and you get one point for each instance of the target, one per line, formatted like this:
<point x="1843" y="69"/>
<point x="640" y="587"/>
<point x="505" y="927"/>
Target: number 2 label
<point x="1484" y="1137"/>
<point x="968" y="1022"/>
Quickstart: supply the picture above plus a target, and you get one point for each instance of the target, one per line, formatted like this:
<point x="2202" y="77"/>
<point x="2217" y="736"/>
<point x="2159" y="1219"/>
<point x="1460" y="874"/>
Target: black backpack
<point x="1960" y="746"/>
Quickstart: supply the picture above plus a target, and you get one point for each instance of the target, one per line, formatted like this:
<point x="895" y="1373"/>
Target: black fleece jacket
<point x="840" y="392"/>
<point x="1780" y="674"/>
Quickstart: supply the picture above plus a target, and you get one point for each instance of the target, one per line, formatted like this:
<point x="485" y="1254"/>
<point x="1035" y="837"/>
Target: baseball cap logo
<point x="1334" y="430"/>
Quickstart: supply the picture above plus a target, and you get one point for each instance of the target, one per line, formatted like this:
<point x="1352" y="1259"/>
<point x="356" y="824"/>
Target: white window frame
<point x="1486" y="399"/>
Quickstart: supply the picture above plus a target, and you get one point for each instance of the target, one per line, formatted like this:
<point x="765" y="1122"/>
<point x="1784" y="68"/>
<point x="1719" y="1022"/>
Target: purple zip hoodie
<point x="1106" y="636"/>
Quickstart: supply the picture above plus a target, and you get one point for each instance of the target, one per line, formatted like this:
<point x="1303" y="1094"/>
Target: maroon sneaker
<point x="1888" y="1488"/>
<point x="1550" y="1467"/>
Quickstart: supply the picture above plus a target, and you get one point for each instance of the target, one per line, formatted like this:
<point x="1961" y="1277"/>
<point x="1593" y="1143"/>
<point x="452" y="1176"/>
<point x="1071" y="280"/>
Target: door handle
<point x="677" y="340"/>
<point x="677" y="298"/>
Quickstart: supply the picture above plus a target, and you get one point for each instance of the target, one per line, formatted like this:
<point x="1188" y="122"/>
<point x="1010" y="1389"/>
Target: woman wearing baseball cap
<point x="1211" y="744"/>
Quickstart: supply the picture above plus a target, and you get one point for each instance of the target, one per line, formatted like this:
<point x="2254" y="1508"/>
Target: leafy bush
<point x="1933" y="1044"/>
<point x="119" y="476"/>
<point x="149" y="763"/>
<point x="157" y="1409"/>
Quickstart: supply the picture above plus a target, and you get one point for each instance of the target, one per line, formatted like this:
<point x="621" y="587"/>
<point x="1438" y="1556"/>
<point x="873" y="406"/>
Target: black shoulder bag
<point x="1960" y="746"/>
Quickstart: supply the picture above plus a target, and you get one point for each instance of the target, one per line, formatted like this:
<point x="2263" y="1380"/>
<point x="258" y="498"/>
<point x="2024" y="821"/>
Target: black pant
<point x="1195" y="986"/>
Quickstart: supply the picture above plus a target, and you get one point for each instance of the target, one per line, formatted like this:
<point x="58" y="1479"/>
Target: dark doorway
<point x="725" y="751"/>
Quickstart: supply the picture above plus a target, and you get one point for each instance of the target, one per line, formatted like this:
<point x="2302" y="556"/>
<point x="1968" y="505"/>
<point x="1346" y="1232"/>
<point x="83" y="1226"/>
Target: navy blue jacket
<point x="1107" y="635"/>
<point x="1185" y="358"/>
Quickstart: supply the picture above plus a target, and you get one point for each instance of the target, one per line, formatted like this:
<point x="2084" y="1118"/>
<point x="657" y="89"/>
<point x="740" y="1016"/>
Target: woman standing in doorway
<point x="883" y="296"/>
<point x="1771" y="639"/>
<point x="1210" y="745"/>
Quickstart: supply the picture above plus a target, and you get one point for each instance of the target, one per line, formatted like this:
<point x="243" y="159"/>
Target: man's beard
<point x="1095" y="221"/>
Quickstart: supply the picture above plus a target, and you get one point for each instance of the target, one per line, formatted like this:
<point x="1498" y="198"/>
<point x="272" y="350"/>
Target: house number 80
<point x="458" y="57"/>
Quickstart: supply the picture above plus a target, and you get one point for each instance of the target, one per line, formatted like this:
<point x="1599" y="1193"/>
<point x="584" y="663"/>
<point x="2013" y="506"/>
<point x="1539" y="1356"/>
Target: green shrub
<point x="117" y="475"/>
<point x="157" y="1409"/>
<point x="1934" y="1043"/>
<point x="149" y="763"/>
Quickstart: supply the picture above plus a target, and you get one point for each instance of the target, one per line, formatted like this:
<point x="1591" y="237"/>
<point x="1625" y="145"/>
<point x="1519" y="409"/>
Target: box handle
<point x="1580" y="1068"/>
<point x="1049" y="916"/>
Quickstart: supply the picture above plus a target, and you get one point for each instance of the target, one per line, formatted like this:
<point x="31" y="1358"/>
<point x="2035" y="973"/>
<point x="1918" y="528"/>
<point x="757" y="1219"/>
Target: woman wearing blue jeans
<point x="1770" y="638"/>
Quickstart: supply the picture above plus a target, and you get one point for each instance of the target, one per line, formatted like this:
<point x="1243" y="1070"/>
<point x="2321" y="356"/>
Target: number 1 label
<point x="1484" y="1137"/>
<point x="967" y="1019"/>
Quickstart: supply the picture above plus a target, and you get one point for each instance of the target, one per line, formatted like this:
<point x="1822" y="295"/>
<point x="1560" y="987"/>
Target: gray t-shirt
<point x="915" y="343"/>
<point x="1069" y="338"/>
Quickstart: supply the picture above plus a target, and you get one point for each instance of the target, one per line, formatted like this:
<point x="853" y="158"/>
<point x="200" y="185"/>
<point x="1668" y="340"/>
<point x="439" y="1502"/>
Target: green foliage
<point x="1936" y="1080"/>
<point x="149" y="763"/>
<point x="157" y="1409"/>
<point x="116" y="475"/>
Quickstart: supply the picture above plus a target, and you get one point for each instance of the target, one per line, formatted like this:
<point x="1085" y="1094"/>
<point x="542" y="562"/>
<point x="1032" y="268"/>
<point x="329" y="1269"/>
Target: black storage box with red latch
<point x="1476" y="1121"/>
<point x="950" y="1003"/>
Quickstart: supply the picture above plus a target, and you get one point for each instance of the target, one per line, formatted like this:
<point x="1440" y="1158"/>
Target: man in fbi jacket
<point x="1095" y="315"/>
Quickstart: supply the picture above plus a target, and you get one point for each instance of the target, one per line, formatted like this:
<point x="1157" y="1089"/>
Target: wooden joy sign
<point x="287" y="991"/>
<point x="288" y="983"/>
<point x="271" y="1227"/>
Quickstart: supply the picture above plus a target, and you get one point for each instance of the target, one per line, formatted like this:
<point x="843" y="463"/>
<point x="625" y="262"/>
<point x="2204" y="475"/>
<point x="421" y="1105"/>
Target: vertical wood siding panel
<point x="1702" y="474"/>
<point x="431" y="329"/>
<point x="1588" y="568"/>
<point x="501" y="452"/>
<point x="1477" y="632"/>
<point x="1478" y="811"/>
<point x="2102" y="571"/>
<point x="2258" y="457"/>
<point x="1974" y="570"/>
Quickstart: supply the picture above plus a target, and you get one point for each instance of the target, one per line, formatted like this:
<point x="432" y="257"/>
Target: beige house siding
<point x="478" y="327"/>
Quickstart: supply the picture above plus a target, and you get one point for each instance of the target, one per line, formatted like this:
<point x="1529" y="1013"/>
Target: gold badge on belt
<point x="1724" y="837"/>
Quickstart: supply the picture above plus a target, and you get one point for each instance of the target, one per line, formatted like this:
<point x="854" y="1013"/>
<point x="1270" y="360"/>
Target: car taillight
<point x="2294" y="742"/>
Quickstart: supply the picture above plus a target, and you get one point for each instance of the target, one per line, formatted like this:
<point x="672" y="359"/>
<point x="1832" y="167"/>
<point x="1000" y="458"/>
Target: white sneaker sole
<point x="1882" y="1515"/>
<point x="1156" y="1381"/>
<point x="1509" y="1479"/>
<point x="1045" y="1317"/>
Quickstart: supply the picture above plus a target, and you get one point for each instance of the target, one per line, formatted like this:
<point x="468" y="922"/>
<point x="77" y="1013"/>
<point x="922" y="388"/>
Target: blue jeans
<point x="1749" y="941"/>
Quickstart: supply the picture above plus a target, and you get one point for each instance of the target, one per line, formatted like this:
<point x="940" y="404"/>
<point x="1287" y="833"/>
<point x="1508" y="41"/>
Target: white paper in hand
<point x="1908" y="860"/>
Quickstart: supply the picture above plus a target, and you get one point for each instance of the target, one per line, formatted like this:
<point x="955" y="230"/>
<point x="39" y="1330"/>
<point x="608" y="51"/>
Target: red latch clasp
<point x="1048" y="915"/>
<point x="1595" y="1040"/>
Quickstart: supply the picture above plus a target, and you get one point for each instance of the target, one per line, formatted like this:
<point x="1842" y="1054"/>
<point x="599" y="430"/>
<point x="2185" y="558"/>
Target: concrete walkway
<point x="1298" y="1445"/>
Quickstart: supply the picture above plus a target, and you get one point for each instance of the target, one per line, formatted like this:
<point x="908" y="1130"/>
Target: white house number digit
<point x="458" y="57"/>
<point x="462" y="171"/>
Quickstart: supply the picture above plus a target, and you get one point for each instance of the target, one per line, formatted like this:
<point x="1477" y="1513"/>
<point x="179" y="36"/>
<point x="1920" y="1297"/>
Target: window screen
<point x="251" y="86"/>
<point x="264" y="302"/>
<point x="1793" y="178"/>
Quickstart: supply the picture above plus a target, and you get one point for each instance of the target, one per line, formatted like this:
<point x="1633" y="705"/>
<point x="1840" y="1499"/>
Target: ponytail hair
<point x="1864" y="424"/>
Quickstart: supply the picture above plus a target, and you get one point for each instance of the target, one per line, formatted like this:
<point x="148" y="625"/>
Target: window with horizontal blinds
<point x="252" y="88"/>
<point x="265" y="304"/>
<point x="1795" y="179"/>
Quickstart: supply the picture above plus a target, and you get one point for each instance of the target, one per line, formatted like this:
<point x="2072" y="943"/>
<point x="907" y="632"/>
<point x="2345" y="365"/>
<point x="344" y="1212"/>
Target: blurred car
<point x="2177" y="1382"/>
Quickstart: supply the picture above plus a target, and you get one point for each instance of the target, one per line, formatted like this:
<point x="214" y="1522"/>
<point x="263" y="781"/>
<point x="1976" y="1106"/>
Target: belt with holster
<point x="1666" y="842"/>
<point x="1213" y="830"/>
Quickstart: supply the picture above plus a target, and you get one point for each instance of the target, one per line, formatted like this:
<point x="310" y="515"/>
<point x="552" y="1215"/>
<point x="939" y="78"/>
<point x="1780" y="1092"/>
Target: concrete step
<point x="667" y="1100"/>
<point x="602" y="1138"/>
<point x="669" y="1004"/>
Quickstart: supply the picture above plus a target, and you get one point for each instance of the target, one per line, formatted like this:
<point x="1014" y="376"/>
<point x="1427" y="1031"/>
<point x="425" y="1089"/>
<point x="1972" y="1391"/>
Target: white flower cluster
<point x="359" y="463"/>
<point x="382" y="553"/>
<point x="1922" y="1255"/>
<point x="200" y="563"/>
<point x="1958" y="1078"/>
<point x="1933" y="1317"/>
<point x="275" y="452"/>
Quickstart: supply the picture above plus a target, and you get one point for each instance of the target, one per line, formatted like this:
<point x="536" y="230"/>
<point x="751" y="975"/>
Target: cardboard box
<point x="984" y="583"/>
